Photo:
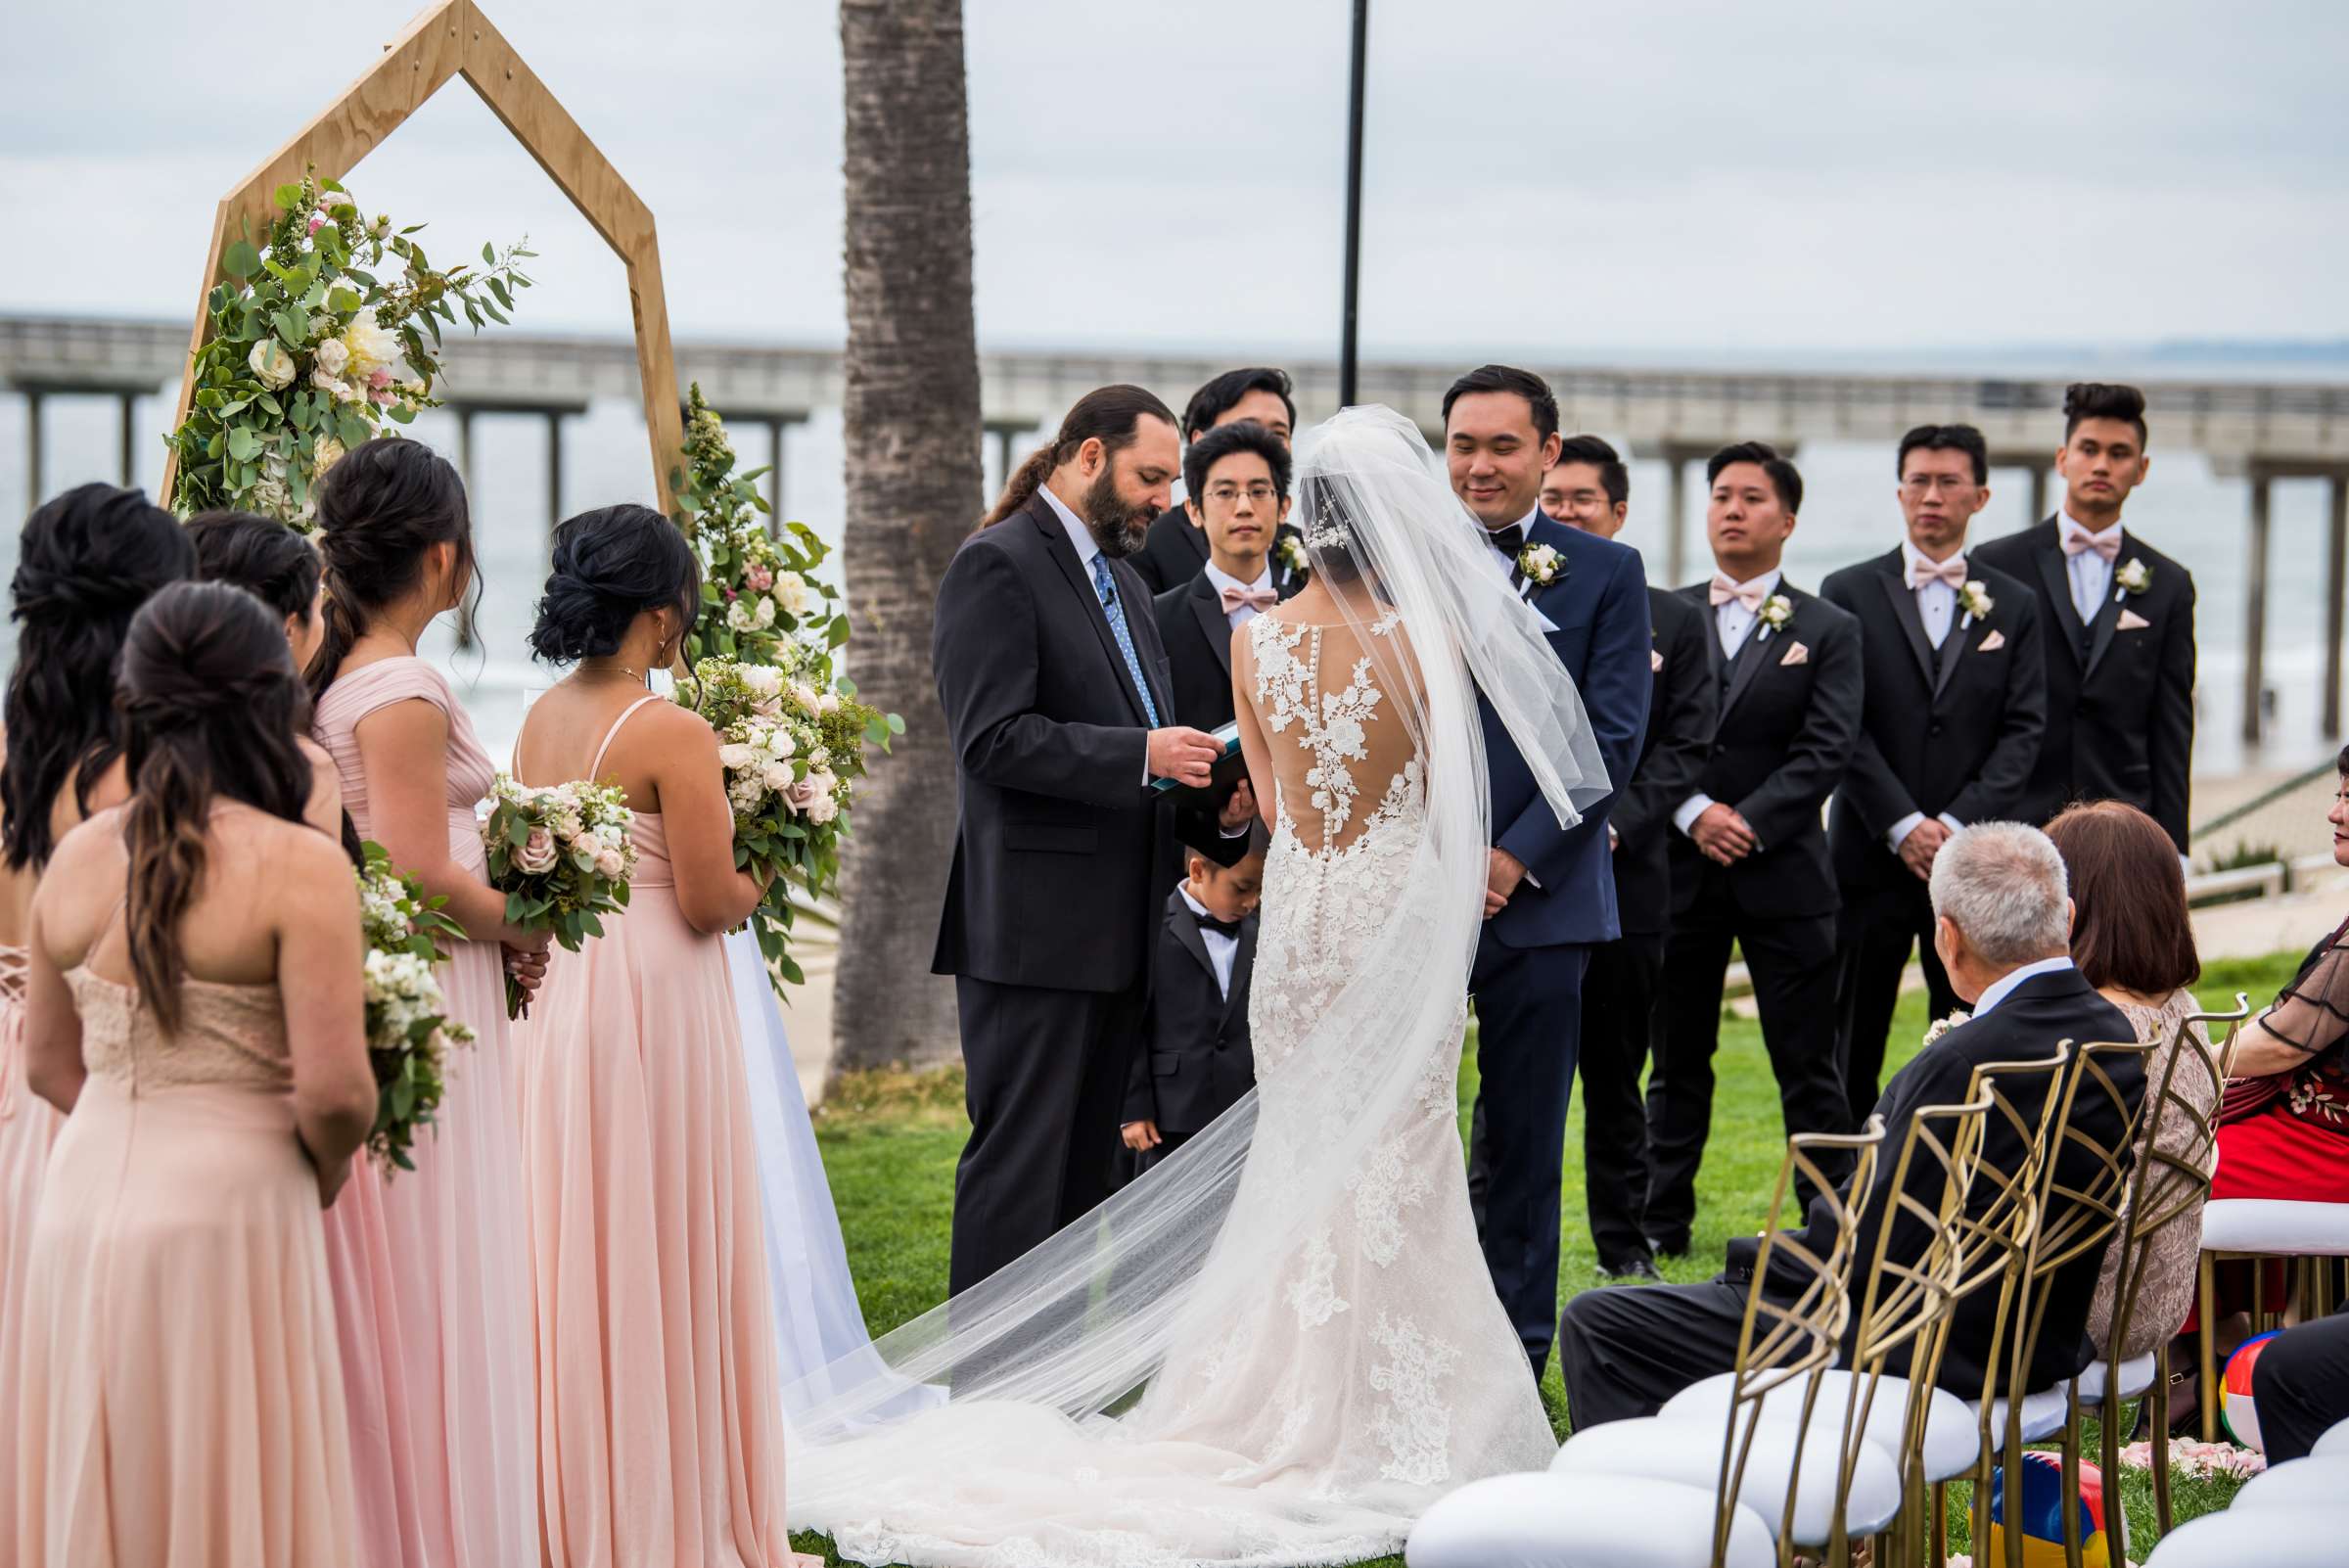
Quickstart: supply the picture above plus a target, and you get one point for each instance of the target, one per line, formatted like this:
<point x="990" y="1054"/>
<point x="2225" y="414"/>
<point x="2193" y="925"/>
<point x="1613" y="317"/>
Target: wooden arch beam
<point x="448" y="40"/>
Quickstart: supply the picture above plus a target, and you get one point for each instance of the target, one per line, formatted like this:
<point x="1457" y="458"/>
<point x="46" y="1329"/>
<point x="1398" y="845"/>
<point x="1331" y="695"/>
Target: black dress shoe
<point x="1669" y="1246"/>
<point x="1635" y="1270"/>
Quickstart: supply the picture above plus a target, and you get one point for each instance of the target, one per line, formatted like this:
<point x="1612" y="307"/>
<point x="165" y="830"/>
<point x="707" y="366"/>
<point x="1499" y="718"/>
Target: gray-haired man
<point x="2002" y="919"/>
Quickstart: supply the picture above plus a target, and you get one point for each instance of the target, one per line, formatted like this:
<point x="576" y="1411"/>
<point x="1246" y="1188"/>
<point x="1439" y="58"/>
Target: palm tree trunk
<point x="913" y="492"/>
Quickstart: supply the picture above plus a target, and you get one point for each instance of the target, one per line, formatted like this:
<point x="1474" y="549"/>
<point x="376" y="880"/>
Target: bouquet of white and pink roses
<point x="562" y="857"/>
<point x="407" y="1029"/>
<point x="792" y="750"/>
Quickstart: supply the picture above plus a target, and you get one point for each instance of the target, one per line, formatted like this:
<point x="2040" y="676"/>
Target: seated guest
<point x="1195" y="1058"/>
<point x="2301" y="1385"/>
<point x="2132" y="939"/>
<point x="2000" y="922"/>
<point x="1238" y="478"/>
<point x="1177" y="547"/>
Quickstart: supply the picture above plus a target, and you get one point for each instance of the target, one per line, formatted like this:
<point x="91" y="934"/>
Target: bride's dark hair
<point x="210" y="707"/>
<point x="84" y="565"/>
<point x="611" y="565"/>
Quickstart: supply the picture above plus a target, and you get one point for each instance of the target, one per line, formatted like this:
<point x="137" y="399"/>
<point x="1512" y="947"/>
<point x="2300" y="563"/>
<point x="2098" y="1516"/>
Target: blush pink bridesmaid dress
<point x="431" y="1278"/>
<point x="181" y="1400"/>
<point x="660" y="1433"/>
<point x="29" y="1127"/>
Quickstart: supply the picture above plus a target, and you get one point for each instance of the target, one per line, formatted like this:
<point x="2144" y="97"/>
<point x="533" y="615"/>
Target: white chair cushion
<point x="1951" y="1442"/>
<point x="1679" y="1450"/>
<point x="2279" y="1225"/>
<point x="2137" y="1376"/>
<point x="2043" y="1415"/>
<point x="2335" y="1441"/>
<point x="1544" y="1520"/>
<point x="2310" y="1483"/>
<point x="2256" y="1538"/>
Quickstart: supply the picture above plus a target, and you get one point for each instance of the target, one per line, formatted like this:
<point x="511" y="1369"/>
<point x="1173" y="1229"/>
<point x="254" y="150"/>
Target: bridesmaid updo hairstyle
<point x="260" y="555"/>
<point x="612" y="565"/>
<point x="380" y="509"/>
<point x="210" y="706"/>
<point x="85" y="564"/>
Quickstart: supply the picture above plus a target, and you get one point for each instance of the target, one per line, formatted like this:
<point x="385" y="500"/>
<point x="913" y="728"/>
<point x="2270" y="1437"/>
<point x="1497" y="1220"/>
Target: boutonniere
<point x="1293" y="556"/>
<point x="1975" y="600"/>
<point x="2136" y="576"/>
<point x="1540" y="565"/>
<point x="1942" y="1026"/>
<point x="1777" y="611"/>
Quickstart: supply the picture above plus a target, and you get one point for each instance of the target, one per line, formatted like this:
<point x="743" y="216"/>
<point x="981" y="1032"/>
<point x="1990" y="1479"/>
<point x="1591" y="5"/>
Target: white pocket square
<point x="2131" y="621"/>
<point x="1993" y="644"/>
<point x="1796" y="653"/>
<point x="1656" y="660"/>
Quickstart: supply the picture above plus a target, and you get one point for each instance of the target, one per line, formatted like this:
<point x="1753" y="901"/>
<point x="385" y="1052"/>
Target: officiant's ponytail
<point x="1113" y="414"/>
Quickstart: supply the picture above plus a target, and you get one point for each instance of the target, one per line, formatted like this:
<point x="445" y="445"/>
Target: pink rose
<point x="760" y="578"/>
<point x="537" y="856"/>
<point x="802" y="794"/>
<point x="608" y="864"/>
<point x="379" y="377"/>
<point x="318" y="220"/>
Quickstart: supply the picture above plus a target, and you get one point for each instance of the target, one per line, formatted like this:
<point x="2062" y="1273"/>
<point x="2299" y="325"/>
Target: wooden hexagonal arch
<point x="454" y="39"/>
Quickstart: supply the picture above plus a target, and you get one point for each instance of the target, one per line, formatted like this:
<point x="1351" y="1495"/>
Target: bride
<point x="1281" y="1346"/>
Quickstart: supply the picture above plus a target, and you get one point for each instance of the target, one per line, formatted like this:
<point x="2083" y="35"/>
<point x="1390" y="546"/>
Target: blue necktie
<point x="1107" y="588"/>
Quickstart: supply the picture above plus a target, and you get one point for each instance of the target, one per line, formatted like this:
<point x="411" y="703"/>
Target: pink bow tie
<point x="2078" y="542"/>
<point x="1922" y="572"/>
<point x="1258" y="600"/>
<point x="1748" y="594"/>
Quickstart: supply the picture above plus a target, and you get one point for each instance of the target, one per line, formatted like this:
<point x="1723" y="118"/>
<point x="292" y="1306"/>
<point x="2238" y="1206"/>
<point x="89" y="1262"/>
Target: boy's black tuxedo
<point x="1194" y="1058"/>
<point x="1952" y="731"/>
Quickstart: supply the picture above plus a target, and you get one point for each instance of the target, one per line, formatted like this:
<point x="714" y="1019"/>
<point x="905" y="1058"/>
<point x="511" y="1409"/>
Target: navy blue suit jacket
<point x="1599" y="605"/>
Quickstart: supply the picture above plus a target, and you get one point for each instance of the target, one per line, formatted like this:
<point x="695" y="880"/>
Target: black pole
<point x="1354" y="203"/>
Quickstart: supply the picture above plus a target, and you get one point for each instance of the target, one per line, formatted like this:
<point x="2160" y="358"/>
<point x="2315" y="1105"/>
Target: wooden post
<point x="775" y="426"/>
<point x="2255" y="608"/>
<point x="554" y="470"/>
<point x="449" y="39"/>
<point x="464" y="413"/>
<point x="2336" y="566"/>
<point x="1675" y="511"/>
<point x="130" y="448"/>
<point x="32" y="449"/>
<point x="2038" y="496"/>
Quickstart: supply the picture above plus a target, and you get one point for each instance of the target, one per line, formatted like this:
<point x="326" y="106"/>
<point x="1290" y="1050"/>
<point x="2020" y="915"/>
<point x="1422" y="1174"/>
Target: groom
<point x="1057" y="698"/>
<point x="1550" y="896"/>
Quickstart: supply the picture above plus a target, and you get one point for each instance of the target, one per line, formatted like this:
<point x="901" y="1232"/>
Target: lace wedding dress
<point x="1291" y="1319"/>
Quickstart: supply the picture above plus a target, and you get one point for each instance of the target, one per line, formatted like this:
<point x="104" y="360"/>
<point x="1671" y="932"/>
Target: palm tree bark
<point x="912" y="441"/>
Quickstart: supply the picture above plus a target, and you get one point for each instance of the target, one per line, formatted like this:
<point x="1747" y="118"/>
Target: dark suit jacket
<point x="2032" y="1019"/>
<point x="2120" y="704"/>
<point x="1195" y="1058"/>
<point x="1061" y="852"/>
<point x="1198" y="637"/>
<point x="1955" y="730"/>
<point x="1683" y="705"/>
<point x="1175" y="548"/>
<point x="1599" y="605"/>
<point x="1784" y="738"/>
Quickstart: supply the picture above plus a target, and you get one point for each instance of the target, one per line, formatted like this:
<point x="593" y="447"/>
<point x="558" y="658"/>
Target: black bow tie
<point x="1228" y="928"/>
<point x="1510" y="541"/>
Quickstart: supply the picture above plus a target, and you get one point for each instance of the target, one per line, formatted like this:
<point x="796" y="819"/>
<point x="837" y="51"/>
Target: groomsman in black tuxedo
<point x="2119" y="617"/>
<point x="1238" y="478"/>
<point x="1176" y="546"/>
<point x="1749" y="853"/>
<point x="1589" y="488"/>
<point x="1550" y="899"/>
<point x="1057" y="698"/>
<point x="1957" y="702"/>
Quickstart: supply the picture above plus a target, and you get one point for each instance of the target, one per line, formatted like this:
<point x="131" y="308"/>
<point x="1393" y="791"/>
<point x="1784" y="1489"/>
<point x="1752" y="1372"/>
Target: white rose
<point x="805" y="697"/>
<point x="765" y="616"/>
<point x="763" y="680"/>
<point x="271" y="364"/>
<point x="779" y="743"/>
<point x="792" y="589"/>
<point x="824" y="807"/>
<point x="333" y="357"/>
<point x="776" y="776"/>
<point x="327" y="454"/>
<point x="827" y="702"/>
<point x="734" y="756"/>
<point x="738" y="615"/>
<point x="609" y="866"/>
<point x="370" y="347"/>
<point x="587" y="844"/>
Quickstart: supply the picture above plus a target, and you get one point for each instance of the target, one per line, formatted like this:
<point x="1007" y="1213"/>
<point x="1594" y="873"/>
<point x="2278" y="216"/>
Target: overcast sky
<point x="1669" y="176"/>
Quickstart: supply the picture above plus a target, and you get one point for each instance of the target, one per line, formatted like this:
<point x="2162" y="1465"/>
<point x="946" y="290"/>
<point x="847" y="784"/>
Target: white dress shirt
<point x="1219" y="579"/>
<point x="1733" y="623"/>
<point x="2091" y="572"/>
<point x="1998" y="990"/>
<point x="1222" y="950"/>
<point x="1937" y="608"/>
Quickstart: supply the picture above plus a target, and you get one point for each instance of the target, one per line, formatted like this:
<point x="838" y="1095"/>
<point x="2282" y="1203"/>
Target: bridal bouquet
<point x="312" y="340"/>
<point x="791" y="749"/>
<point x="407" y="1029"/>
<point x="562" y="857"/>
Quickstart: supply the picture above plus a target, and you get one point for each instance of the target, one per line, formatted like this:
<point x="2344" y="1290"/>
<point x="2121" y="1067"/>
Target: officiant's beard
<point x="1118" y="525"/>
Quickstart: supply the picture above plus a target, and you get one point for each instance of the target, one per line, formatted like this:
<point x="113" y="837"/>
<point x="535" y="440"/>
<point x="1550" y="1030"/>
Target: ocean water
<point x="1849" y="514"/>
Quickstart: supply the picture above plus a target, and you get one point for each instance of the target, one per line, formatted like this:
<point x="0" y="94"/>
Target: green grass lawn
<point x="889" y="1142"/>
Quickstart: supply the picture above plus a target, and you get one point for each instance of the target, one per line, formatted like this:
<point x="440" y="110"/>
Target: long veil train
<point x="1123" y="1394"/>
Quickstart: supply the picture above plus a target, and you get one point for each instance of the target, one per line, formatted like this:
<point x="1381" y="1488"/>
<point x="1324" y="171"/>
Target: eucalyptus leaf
<point x="241" y="261"/>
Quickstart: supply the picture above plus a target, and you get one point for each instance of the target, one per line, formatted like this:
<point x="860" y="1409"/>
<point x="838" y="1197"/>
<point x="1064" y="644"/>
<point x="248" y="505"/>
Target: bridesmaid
<point x="182" y="1400"/>
<point x="660" y="1437"/>
<point x="85" y="564"/>
<point x="431" y="1284"/>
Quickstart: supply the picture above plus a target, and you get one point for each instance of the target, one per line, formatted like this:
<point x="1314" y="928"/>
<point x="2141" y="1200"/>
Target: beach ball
<point x="2040" y="1514"/>
<point x="2234" y="1392"/>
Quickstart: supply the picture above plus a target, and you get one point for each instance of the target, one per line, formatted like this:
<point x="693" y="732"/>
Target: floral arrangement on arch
<point x="313" y="342"/>
<point x="762" y="652"/>
<point x="408" y="1029"/>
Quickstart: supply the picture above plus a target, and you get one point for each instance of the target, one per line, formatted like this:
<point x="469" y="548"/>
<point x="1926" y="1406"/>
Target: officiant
<point x="1058" y="700"/>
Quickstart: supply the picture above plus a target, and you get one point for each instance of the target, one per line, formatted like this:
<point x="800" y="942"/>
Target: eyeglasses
<point x="1927" y="483"/>
<point x="1224" y="494"/>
